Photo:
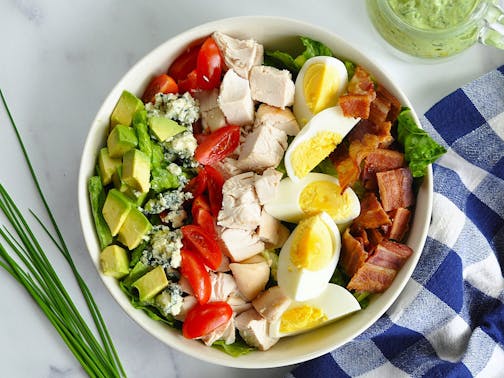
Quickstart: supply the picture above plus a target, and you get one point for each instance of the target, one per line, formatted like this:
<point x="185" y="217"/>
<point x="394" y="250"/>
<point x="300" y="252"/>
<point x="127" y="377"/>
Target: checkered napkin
<point x="449" y="320"/>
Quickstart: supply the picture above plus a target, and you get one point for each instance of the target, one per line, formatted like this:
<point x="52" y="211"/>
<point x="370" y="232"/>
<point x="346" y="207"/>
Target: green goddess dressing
<point x="428" y="28"/>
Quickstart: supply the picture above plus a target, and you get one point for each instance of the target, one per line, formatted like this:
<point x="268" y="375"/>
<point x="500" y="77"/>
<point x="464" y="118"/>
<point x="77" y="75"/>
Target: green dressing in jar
<point x="429" y="28"/>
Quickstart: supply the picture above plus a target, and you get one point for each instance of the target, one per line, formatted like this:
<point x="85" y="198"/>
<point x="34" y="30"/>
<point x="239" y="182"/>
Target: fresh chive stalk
<point x="98" y="357"/>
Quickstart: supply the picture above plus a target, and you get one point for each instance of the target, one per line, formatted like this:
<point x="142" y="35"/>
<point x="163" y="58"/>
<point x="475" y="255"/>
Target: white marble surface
<point x="58" y="61"/>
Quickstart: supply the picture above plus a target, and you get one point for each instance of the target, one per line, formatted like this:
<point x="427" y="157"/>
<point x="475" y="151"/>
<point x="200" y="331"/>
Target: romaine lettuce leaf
<point x="420" y="149"/>
<point x="237" y="349"/>
<point x="284" y="60"/>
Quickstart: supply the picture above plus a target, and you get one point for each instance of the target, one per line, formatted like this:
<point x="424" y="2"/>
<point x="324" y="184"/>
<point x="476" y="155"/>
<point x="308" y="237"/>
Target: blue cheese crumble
<point x="181" y="108"/>
<point x="170" y="200"/>
<point x="170" y="300"/>
<point x="164" y="248"/>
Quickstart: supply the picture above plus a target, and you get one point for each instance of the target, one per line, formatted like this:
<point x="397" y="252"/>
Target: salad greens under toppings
<point x="420" y="149"/>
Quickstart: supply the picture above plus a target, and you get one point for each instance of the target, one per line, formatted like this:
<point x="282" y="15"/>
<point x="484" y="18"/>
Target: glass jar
<point x="433" y="29"/>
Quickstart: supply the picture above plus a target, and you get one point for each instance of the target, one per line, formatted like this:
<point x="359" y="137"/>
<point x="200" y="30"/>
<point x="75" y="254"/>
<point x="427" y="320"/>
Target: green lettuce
<point x="420" y="149"/>
<point x="237" y="349"/>
<point x="281" y="59"/>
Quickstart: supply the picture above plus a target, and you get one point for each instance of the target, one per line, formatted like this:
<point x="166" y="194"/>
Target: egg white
<point x="285" y="205"/>
<point x="335" y="301"/>
<point x="300" y="109"/>
<point x="330" y="119"/>
<point x="302" y="284"/>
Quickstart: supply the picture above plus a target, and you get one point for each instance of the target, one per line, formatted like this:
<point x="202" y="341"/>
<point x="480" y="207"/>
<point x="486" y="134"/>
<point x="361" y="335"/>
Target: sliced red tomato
<point x="204" y="318"/>
<point x="185" y="62"/>
<point x="215" y="182"/>
<point x="200" y="202"/>
<point x="204" y="219"/>
<point x="198" y="184"/>
<point x="159" y="84"/>
<point x="197" y="239"/>
<point x="193" y="268"/>
<point x="189" y="84"/>
<point x="218" y="145"/>
<point x="209" y="65"/>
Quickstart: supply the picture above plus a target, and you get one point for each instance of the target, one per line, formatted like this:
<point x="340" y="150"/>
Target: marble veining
<point x="30" y="10"/>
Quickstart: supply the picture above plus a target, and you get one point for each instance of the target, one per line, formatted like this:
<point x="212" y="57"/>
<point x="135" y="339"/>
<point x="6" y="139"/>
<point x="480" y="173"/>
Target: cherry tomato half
<point x="197" y="239"/>
<point x="204" y="219"/>
<point x="218" y="145"/>
<point x="198" y="184"/>
<point x="193" y="268"/>
<point x="204" y="318"/>
<point x="200" y="202"/>
<point x="159" y="84"/>
<point x="189" y="84"/>
<point x="215" y="182"/>
<point x="185" y="62"/>
<point x="209" y="65"/>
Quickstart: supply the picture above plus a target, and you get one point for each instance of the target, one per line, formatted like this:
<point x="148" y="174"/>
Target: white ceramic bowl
<point x="274" y="33"/>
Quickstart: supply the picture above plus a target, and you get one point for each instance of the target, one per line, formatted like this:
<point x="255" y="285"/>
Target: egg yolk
<point x="300" y="318"/>
<point x="308" y="154"/>
<point x="311" y="245"/>
<point x="325" y="196"/>
<point x="320" y="87"/>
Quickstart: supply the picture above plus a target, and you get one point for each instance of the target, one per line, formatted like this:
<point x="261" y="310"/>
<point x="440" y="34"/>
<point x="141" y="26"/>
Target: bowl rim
<point x="194" y="348"/>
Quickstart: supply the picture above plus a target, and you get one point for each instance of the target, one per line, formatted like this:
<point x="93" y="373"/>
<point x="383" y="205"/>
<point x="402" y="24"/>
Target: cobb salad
<point x="249" y="195"/>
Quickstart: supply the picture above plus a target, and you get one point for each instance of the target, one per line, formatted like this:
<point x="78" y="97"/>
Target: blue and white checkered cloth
<point x="449" y="320"/>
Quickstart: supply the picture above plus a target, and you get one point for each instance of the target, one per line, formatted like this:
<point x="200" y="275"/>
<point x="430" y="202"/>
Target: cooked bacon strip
<point x="360" y="149"/>
<point x="395" y="188"/>
<point x="395" y="105"/>
<point x="380" y="160"/>
<point x="389" y="254"/>
<point x="372" y="278"/>
<point x="364" y="127"/>
<point x="361" y="93"/>
<point x="361" y="83"/>
<point x="400" y="223"/>
<point x="375" y="237"/>
<point x="348" y="172"/>
<point x="372" y="214"/>
<point x="379" y="110"/>
<point x="355" y="105"/>
<point x="352" y="255"/>
<point x="362" y="237"/>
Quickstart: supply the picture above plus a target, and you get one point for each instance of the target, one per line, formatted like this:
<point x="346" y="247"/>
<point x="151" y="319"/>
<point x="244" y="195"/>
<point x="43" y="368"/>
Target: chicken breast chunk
<point x="240" y="55"/>
<point x="272" y="86"/>
<point x="212" y="117"/>
<point x="235" y="99"/>
<point x="282" y="119"/>
<point x="262" y="149"/>
<point x="253" y="329"/>
<point x="241" y="244"/>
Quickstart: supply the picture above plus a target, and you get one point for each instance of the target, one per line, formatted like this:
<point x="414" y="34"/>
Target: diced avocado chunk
<point x="136" y="272"/>
<point x="117" y="180"/>
<point x="134" y="228"/>
<point x="115" y="210"/>
<point x="120" y="140"/>
<point x="151" y="283"/>
<point x="136" y="170"/>
<point x="97" y="199"/>
<point x="138" y="198"/>
<point x="157" y="157"/>
<point x="144" y="140"/>
<point x="126" y="106"/>
<point x="107" y="165"/>
<point x="114" y="261"/>
<point x="164" y="128"/>
<point x="162" y="180"/>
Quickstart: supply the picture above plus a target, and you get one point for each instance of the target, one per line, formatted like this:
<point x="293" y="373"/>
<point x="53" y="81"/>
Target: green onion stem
<point x="45" y="287"/>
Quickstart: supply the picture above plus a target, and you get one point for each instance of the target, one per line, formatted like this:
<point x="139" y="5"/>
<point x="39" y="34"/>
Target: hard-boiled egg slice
<point x="319" y="83"/>
<point x="308" y="258"/>
<point x="334" y="303"/>
<point x="316" y="141"/>
<point x="312" y="194"/>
